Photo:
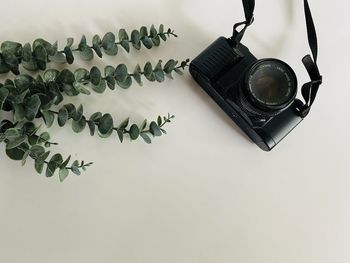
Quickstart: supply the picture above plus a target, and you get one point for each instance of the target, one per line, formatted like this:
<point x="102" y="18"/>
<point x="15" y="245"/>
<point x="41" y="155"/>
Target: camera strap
<point x="309" y="89"/>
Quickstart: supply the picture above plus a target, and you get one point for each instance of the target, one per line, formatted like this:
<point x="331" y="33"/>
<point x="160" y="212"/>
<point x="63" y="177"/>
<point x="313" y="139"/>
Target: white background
<point x="203" y="193"/>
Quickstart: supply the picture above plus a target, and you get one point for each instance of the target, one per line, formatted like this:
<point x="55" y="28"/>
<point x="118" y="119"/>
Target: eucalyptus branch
<point x="36" y="56"/>
<point x="104" y="124"/>
<point x="19" y="147"/>
<point x="53" y="82"/>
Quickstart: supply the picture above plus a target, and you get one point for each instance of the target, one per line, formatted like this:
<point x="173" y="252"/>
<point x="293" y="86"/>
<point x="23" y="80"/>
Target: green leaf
<point x="17" y="153"/>
<point x="153" y="32"/>
<point x="96" y="117"/>
<point x="65" y="163"/>
<point x="79" y="126"/>
<point x="97" y="49"/>
<point x="78" y="114"/>
<point x="110" y="82"/>
<point x="109" y="45"/>
<point x="126" y="83"/>
<point x="178" y="71"/>
<point x="156" y="40"/>
<point x="81" y="74"/>
<point x="4" y="68"/>
<point x="86" y="53"/>
<point x="50" y="49"/>
<point x="39" y="162"/>
<point x="124" y="124"/>
<point x="75" y="168"/>
<point x="169" y="66"/>
<point x="36" y="151"/>
<point x="40" y="55"/>
<point x="58" y="58"/>
<point x="143" y="32"/>
<point x="125" y="44"/>
<point x="70" y="42"/>
<point x="158" y="71"/>
<point x="66" y="76"/>
<point x="83" y="43"/>
<point x="71" y="110"/>
<point x="147" y="42"/>
<point x="31" y="107"/>
<point x="69" y="55"/>
<point x="53" y="164"/>
<point x="23" y="82"/>
<point x="154" y="129"/>
<point x="81" y="88"/>
<point x="124" y="39"/>
<point x="123" y="35"/>
<point x="134" y="132"/>
<point x="108" y="40"/>
<point x="146" y="138"/>
<point x="16" y="142"/>
<point x="105" y="124"/>
<point x="49" y="118"/>
<point x="159" y="120"/>
<point x="143" y="125"/>
<point x="161" y="29"/>
<point x="27" y="52"/>
<point x="44" y="137"/>
<point x="92" y="127"/>
<point x="137" y="75"/>
<point x="100" y="88"/>
<point x="51" y="75"/>
<point x="11" y="46"/>
<point x="120" y="135"/>
<point x="11" y="60"/>
<point x="62" y="117"/>
<point x="3" y="96"/>
<point x="63" y="174"/>
<point x="95" y="75"/>
<point x="96" y="40"/>
<point x="121" y="73"/>
<point x="136" y="39"/>
<point x="12" y="133"/>
<point x="109" y="71"/>
<point x="148" y="70"/>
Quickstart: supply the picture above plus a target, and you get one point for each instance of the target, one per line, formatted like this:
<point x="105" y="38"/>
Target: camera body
<point x="258" y="95"/>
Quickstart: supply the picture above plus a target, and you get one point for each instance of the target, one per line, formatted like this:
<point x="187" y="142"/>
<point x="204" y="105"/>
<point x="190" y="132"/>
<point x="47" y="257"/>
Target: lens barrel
<point x="270" y="85"/>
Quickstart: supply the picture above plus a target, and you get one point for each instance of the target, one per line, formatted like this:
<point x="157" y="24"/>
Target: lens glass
<point x="271" y="84"/>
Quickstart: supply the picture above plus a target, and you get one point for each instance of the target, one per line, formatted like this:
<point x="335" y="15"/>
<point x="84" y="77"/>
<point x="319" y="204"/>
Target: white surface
<point x="203" y="193"/>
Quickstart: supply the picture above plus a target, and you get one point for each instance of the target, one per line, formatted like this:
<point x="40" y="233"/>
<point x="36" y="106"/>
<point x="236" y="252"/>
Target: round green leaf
<point x="53" y="164"/>
<point x="121" y="73"/>
<point x="126" y="83"/>
<point x="18" y="152"/>
<point x="86" y="53"/>
<point x="100" y="88"/>
<point x="134" y="132"/>
<point x="106" y="124"/>
<point x="79" y="126"/>
<point x="31" y="107"/>
<point x="62" y="116"/>
<point x="95" y="75"/>
<point x="155" y="130"/>
<point x="81" y="74"/>
<point x="136" y="39"/>
<point x="51" y="75"/>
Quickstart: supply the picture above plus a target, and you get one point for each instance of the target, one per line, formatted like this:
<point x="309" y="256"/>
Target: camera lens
<point x="271" y="85"/>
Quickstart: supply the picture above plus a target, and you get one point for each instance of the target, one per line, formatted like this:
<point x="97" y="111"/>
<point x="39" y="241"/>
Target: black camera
<point x="259" y="95"/>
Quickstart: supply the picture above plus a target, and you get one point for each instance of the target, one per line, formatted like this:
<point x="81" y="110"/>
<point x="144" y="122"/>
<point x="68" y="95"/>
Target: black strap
<point x="310" y="89"/>
<point x="249" y="6"/>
